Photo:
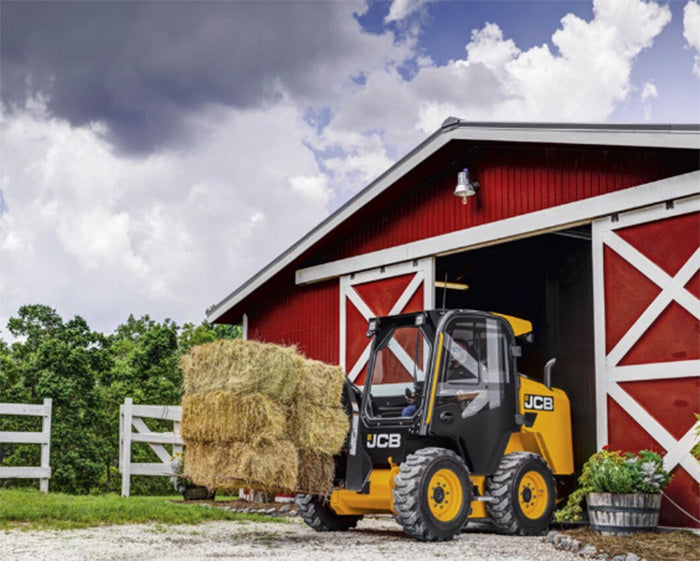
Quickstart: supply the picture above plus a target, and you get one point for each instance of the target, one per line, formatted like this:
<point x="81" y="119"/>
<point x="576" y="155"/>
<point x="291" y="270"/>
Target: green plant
<point x="695" y="450"/>
<point x="611" y="471"/>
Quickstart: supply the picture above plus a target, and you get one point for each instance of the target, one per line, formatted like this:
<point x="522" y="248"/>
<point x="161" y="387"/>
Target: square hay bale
<point x="268" y="466"/>
<point x="317" y="428"/>
<point x="218" y="416"/>
<point x="316" y="473"/>
<point x="201" y="466"/>
<point x="321" y="383"/>
<point x="243" y="367"/>
<point x="261" y="416"/>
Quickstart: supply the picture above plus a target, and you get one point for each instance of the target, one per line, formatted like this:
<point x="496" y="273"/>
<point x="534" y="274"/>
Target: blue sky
<point x="157" y="154"/>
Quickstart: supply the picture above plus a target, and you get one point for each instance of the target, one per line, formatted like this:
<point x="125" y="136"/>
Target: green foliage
<point x="611" y="471"/>
<point x="608" y="473"/>
<point x="695" y="450"/>
<point x="30" y="509"/>
<point x="88" y="375"/>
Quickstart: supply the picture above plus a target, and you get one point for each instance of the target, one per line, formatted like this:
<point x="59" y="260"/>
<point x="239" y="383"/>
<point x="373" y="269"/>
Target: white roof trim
<point x="618" y="136"/>
<point x="664" y="136"/>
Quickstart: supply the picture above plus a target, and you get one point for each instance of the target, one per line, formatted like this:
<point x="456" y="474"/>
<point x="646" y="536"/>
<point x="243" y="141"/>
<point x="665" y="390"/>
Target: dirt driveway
<point x="374" y="539"/>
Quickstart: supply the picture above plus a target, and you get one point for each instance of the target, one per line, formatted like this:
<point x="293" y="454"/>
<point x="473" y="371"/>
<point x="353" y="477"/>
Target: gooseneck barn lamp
<point x="465" y="187"/>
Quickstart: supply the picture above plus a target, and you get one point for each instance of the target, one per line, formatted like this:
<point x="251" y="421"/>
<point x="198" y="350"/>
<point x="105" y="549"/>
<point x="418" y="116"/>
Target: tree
<point x="144" y="367"/>
<point x="60" y="361"/>
<point x="88" y="375"/>
<point x="193" y="335"/>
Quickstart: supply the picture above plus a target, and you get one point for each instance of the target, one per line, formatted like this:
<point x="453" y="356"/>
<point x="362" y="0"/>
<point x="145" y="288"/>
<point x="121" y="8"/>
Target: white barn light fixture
<point x="465" y="187"/>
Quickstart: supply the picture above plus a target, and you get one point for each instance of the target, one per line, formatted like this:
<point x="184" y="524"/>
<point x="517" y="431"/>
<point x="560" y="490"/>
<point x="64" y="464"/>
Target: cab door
<point x="475" y="394"/>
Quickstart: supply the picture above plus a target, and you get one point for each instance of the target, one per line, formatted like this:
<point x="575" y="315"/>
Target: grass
<point x="31" y="510"/>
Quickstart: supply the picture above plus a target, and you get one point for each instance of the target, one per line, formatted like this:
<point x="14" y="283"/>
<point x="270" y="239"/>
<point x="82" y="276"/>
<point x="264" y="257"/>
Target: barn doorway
<point x="546" y="279"/>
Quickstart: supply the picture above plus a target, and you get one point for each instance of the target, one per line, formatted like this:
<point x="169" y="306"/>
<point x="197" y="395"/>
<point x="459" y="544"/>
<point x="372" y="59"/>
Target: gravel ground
<point x="375" y="538"/>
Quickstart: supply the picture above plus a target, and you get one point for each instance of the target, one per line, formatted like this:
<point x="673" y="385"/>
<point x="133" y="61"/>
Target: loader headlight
<point x="372" y="327"/>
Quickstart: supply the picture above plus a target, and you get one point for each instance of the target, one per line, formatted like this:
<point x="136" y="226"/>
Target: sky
<point x="155" y="155"/>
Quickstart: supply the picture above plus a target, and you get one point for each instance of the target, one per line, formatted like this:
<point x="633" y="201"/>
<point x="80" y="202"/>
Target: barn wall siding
<point x="304" y="316"/>
<point x="514" y="181"/>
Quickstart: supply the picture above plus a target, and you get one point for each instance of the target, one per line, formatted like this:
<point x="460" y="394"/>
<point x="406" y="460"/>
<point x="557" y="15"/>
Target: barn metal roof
<point x="679" y="136"/>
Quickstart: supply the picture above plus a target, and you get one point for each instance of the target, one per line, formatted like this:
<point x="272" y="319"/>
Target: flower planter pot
<point x="612" y="514"/>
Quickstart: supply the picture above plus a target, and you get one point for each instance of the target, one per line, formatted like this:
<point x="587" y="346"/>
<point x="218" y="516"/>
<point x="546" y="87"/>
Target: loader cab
<point x="445" y="375"/>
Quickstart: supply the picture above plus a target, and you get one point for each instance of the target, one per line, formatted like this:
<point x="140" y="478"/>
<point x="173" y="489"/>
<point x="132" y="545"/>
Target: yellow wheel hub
<point x="532" y="495"/>
<point x="445" y="495"/>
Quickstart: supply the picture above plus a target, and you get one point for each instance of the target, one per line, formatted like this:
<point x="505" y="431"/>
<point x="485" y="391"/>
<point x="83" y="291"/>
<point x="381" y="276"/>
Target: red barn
<point x="590" y="232"/>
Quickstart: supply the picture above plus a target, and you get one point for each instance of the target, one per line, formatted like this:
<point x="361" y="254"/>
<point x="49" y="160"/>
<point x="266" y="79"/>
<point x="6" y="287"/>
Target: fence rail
<point x="43" y="438"/>
<point x="131" y="417"/>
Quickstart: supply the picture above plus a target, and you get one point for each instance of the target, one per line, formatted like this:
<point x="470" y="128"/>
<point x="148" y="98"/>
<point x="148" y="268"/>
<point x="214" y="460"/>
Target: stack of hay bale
<point x="261" y="416"/>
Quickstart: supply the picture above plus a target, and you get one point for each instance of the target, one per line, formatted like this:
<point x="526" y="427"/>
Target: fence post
<point x="177" y="448"/>
<point x="46" y="445"/>
<point x="125" y="439"/>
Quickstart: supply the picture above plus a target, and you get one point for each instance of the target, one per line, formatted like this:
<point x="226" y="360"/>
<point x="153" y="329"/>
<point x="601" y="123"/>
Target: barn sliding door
<point x="394" y="289"/>
<point x="647" y="318"/>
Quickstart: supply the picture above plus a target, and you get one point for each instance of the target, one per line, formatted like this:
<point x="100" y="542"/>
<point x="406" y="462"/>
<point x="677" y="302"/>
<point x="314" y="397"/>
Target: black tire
<point x="428" y="480"/>
<point x="198" y="493"/>
<point x="317" y="512"/>
<point x="524" y="489"/>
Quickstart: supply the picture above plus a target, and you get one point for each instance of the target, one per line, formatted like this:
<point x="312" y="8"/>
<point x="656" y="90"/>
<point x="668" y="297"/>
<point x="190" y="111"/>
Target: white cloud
<point x="102" y="235"/>
<point x="649" y="92"/>
<point x="582" y="76"/>
<point x="584" y="81"/>
<point x="401" y="9"/>
<point x="312" y="188"/>
<point x="691" y="31"/>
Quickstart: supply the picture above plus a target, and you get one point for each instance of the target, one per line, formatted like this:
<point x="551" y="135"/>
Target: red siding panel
<point x="627" y="294"/>
<point x="675" y="335"/>
<point x="658" y="397"/>
<point x="304" y="316"/>
<point x="625" y="434"/>
<point x="669" y="243"/>
<point x="381" y="295"/>
<point x="514" y="180"/>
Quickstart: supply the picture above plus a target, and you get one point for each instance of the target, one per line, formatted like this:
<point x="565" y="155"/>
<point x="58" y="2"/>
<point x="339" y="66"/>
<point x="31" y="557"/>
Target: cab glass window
<point x="475" y="364"/>
<point x="399" y="365"/>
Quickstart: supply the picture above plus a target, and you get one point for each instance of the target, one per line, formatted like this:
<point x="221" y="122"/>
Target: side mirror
<point x="528" y="338"/>
<point x="548" y="372"/>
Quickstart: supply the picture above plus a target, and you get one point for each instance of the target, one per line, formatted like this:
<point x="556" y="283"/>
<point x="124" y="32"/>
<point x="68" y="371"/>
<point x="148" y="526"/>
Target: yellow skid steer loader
<point x="445" y="430"/>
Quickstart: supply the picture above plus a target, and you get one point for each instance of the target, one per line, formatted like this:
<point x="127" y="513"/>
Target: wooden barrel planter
<point x="612" y="514"/>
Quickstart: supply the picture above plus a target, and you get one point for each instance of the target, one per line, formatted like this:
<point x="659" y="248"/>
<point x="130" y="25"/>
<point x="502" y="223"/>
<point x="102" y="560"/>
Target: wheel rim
<point x="445" y="495"/>
<point x="532" y="495"/>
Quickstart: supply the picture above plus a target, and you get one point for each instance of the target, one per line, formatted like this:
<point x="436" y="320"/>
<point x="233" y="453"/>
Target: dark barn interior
<point x="546" y="279"/>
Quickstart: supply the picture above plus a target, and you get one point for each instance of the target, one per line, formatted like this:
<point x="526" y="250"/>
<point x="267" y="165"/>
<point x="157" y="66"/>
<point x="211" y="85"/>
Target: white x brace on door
<point x="394" y="289"/>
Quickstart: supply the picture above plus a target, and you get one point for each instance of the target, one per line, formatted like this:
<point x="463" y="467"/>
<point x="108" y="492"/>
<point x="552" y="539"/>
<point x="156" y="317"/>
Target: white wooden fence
<point x="43" y="438"/>
<point x="131" y="417"/>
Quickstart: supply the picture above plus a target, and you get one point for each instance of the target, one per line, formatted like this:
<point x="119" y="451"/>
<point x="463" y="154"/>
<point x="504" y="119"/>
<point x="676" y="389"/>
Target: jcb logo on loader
<point x="539" y="402"/>
<point x="384" y="440"/>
